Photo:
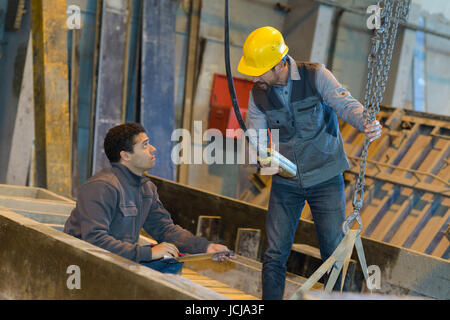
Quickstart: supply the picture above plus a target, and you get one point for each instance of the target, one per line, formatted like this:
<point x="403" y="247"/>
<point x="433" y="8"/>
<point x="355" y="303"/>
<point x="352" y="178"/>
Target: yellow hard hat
<point x="263" y="49"/>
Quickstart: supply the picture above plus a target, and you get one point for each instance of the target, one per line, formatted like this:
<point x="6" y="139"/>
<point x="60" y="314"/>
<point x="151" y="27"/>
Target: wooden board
<point x="413" y="222"/>
<point x="216" y="286"/>
<point x="391" y="221"/>
<point x="435" y="224"/>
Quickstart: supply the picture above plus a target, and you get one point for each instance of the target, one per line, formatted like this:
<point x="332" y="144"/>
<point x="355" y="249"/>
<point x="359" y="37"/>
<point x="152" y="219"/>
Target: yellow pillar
<point x="52" y="126"/>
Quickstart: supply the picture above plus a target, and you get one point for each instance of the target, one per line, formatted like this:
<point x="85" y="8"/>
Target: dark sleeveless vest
<point x="310" y="137"/>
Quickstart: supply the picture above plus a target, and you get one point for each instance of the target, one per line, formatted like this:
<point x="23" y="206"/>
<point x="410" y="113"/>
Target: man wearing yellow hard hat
<point x="302" y="101"/>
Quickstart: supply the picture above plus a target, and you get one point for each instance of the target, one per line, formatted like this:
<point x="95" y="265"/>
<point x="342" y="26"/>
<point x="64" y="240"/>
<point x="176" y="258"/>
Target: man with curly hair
<point x="117" y="202"/>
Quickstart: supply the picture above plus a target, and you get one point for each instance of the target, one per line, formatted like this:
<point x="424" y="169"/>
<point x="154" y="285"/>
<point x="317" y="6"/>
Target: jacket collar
<point x="295" y="75"/>
<point x="131" y="177"/>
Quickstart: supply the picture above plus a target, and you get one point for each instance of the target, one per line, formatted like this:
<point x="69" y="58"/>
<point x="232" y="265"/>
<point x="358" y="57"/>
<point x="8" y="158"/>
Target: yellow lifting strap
<point x="338" y="262"/>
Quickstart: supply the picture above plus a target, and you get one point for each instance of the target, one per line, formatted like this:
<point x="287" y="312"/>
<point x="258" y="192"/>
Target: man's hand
<point x="164" y="249"/>
<point x="372" y="130"/>
<point x="268" y="170"/>
<point x="215" y="247"/>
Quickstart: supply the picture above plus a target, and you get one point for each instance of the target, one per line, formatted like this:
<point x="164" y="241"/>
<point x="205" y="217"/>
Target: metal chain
<point x="379" y="61"/>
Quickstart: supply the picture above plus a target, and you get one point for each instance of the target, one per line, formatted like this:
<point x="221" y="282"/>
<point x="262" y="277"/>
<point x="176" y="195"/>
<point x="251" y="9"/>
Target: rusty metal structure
<point x="407" y="181"/>
<point x="408" y="173"/>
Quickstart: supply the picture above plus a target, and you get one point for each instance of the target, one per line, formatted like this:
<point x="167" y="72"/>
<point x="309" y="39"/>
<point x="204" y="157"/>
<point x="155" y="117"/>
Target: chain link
<point x="379" y="62"/>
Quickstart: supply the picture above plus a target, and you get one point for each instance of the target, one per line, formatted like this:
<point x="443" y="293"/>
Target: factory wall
<point x="430" y="82"/>
<point x="425" y="74"/>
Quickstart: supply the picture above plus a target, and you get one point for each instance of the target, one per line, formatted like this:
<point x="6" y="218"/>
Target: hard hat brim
<point x="251" y="71"/>
<point x="244" y="68"/>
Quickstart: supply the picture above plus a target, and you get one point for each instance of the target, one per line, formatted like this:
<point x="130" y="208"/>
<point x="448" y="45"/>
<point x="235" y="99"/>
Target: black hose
<point x="237" y="111"/>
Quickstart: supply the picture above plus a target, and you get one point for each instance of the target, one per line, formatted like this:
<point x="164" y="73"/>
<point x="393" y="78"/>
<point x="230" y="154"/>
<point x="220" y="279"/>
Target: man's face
<point x="266" y="80"/>
<point x="273" y="77"/>
<point x="143" y="156"/>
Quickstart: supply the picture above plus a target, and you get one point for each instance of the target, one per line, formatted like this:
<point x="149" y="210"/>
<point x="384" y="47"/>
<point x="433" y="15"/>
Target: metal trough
<point x="35" y="255"/>
<point x="36" y="259"/>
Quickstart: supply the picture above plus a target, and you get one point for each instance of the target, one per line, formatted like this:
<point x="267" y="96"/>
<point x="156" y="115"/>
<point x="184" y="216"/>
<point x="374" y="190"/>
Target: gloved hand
<point x="285" y="174"/>
<point x="268" y="167"/>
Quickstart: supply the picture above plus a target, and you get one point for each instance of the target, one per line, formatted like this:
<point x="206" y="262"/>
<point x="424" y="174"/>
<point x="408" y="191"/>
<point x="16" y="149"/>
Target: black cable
<point x="237" y="111"/>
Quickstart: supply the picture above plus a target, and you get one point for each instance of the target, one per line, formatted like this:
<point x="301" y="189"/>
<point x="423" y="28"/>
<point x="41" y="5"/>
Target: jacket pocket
<point x="281" y="120"/>
<point x="124" y="226"/>
<point x="308" y="117"/>
<point x="128" y="211"/>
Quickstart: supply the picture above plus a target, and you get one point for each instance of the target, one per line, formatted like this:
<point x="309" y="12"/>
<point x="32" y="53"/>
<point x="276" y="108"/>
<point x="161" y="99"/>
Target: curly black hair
<point x="121" y="138"/>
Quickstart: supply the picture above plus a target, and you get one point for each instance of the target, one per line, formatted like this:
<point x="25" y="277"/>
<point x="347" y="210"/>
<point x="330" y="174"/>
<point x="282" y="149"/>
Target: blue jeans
<point x="165" y="265"/>
<point x="327" y="203"/>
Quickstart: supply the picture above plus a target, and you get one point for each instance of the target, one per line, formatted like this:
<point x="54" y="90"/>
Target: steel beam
<point x="157" y="93"/>
<point x="22" y="139"/>
<point x="190" y="76"/>
<point x="13" y="50"/>
<point x="191" y="62"/>
<point x="93" y="96"/>
<point x="53" y="143"/>
<point x="74" y="107"/>
<point x="110" y="76"/>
